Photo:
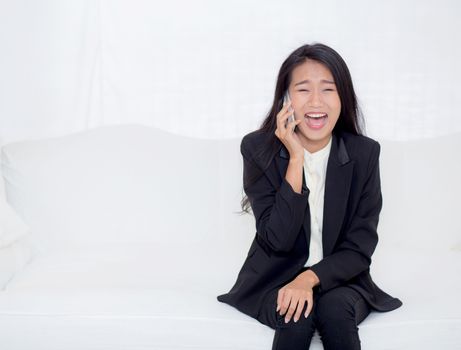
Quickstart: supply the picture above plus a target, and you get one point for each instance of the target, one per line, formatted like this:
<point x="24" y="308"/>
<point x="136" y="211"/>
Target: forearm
<point x="294" y="174"/>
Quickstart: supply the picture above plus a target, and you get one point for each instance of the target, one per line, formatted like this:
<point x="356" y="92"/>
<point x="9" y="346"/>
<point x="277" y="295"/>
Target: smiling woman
<point x="313" y="185"/>
<point x="316" y="103"/>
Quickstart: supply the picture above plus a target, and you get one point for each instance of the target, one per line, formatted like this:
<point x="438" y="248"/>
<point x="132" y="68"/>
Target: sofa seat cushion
<point x="114" y="298"/>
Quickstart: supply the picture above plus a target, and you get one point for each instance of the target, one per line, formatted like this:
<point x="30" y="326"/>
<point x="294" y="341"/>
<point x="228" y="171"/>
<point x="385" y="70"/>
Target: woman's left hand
<point x="293" y="296"/>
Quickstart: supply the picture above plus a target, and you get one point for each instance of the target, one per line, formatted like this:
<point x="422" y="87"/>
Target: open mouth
<point x="316" y="120"/>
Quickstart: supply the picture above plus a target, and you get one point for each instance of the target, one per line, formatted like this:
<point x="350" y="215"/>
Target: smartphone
<point x="286" y="99"/>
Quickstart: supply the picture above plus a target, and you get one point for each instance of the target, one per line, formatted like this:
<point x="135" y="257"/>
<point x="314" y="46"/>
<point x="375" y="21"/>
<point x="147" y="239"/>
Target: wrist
<point x="310" y="278"/>
<point x="297" y="160"/>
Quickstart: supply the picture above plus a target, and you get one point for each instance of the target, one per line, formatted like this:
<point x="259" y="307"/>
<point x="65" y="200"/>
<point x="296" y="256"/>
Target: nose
<point x="315" y="98"/>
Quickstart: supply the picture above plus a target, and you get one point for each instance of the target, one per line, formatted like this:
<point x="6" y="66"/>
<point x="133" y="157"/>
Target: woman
<point x="313" y="185"/>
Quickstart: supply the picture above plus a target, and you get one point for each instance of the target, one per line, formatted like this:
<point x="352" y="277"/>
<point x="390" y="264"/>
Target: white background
<point x="207" y="68"/>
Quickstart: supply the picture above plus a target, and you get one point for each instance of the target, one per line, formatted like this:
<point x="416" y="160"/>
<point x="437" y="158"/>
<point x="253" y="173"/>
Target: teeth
<point x="316" y="115"/>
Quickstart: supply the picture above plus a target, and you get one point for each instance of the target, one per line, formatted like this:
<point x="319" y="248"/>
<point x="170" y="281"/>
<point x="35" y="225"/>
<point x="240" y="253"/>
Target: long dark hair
<point x="350" y="118"/>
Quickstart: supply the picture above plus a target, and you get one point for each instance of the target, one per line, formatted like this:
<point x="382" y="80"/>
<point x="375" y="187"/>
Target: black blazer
<point x="280" y="249"/>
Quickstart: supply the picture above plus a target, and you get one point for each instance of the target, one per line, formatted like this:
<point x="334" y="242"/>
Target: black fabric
<point x="280" y="249"/>
<point x="336" y="315"/>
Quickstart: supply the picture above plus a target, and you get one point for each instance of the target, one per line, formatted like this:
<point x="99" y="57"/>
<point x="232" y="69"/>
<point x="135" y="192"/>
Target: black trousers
<point x="336" y="314"/>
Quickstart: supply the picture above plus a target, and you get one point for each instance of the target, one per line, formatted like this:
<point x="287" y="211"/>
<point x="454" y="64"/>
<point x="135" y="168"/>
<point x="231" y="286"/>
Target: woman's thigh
<point x="268" y="314"/>
<point x="344" y="295"/>
<point x="341" y="302"/>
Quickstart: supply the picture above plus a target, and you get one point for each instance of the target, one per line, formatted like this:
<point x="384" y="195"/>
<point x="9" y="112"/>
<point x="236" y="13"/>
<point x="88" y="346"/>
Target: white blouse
<point x="315" y="168"/>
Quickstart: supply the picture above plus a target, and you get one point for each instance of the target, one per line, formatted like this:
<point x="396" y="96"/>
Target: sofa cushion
<point x="12" y="228"/>
<point x="134" y="304"/>
<point x="15" y="247"/>
<point x="111" y="285"/>
<point x="126" y="184"/>
<point x="13" y="259"/>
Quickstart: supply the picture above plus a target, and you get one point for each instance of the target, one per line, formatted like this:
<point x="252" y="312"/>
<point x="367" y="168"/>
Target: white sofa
<point x="135" y="232"/>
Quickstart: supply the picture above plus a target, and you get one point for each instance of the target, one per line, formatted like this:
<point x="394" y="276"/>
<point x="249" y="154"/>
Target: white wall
<point x="207" y="68"/>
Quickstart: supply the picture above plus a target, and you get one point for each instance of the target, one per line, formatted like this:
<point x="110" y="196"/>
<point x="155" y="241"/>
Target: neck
<point x="314" y="146"/>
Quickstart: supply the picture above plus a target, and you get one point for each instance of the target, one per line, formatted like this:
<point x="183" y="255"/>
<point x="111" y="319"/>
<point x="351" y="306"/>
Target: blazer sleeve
<point x="279" y="212"/>
<point x="353" y="253"/>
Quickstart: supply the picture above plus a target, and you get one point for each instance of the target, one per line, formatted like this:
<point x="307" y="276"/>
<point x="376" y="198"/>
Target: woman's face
<point x="316" y="102"/>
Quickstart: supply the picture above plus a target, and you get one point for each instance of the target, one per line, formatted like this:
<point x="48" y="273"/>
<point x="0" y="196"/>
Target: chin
<point x="315" y="136"/>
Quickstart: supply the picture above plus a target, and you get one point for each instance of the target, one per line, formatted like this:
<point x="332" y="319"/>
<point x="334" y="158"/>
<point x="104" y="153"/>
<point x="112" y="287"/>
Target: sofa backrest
<point x="128" y="184"/>
<point x="134" y="184"/>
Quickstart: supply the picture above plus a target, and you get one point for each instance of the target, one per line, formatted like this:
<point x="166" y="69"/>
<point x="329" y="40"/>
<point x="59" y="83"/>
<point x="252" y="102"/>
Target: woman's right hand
<point x="286" y="134"/>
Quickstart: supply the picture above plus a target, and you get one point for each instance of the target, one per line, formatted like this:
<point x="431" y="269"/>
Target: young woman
<point x="313" y="185"/>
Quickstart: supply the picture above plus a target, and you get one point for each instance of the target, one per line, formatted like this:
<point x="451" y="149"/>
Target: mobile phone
<point x="286" y="99"/>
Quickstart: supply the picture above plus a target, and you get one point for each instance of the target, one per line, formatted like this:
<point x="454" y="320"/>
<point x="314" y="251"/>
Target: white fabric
<point x="135" y="277"/>
<point x="13" y="258"/>
<point x="12" y="227"/>
<point x="2" y="183"/>
<point x="112" y="184"/>
<point x="315" y="169"/>
<point x="208" y="69"/>
<point x="75" y="177"/>
<point x="2" y="186"/>
<point x="96" y="311"/>
<point x="15" y="249"/>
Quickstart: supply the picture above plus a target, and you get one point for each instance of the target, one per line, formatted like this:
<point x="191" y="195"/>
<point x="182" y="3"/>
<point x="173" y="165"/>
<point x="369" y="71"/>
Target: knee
<point x="333" y="308"/>
<point x="335" y="319"/>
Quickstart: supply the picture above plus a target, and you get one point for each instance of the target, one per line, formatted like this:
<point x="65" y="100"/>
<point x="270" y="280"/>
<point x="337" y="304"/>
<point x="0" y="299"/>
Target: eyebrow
<point x="322" y="81"/>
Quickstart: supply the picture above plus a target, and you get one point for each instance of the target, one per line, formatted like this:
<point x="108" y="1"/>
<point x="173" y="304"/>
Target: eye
<point x="303" y="90"/>
<point x="329" y="90"/>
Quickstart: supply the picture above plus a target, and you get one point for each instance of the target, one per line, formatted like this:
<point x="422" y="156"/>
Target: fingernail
<point x="286" y="320"/>
<point x="296" y="320"/>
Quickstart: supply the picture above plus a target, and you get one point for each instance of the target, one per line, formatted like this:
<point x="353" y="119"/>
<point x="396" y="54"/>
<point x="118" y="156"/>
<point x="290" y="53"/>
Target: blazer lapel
<point x="337" y="186"/>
